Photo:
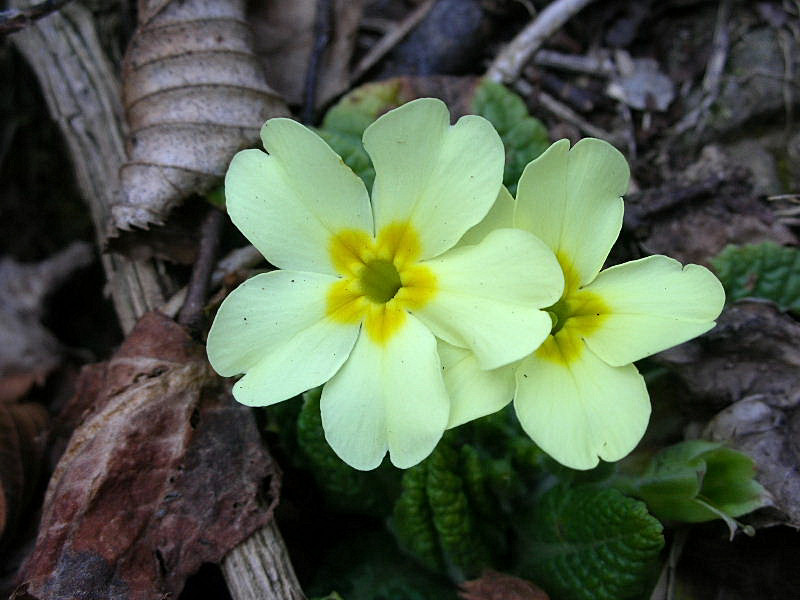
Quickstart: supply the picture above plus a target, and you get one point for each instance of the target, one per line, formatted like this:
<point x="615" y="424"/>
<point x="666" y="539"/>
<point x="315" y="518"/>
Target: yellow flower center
<point x="577" y="314"/>
<point x="381" y="279"/>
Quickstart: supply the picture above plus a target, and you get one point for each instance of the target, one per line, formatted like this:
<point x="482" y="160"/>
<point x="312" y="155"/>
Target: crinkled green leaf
<point x="345" y="488"/>
<point x="524" y="137"/>
<point x="761" y="271"/>
<point x="412" y="521"/>
<point x="589" y="543"/>
<point x="476" y="483"/>
<point x="510" y="463"/>
<point x="435" y="521"/>
<point x="369" y="567"/>
<point x="464" y="551"/>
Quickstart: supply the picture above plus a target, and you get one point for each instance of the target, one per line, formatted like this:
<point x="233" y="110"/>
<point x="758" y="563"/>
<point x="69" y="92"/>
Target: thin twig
<point x="630" y="131"/>
<point x="191" y="313"/>
<point x="788" y="71"/>
<point x="390" y="39"/>
<point x="598" y="66"/>
<point x="719" y="50"/>
<point x="241" y="258"/>
<point x="789" y="197"/>
<point x="322" y="37"/>
<point x="17" y="19"/>
<point x="577" y="97"/>
<point x="508" y="64"/>
<point x="238" y="259"/>
<point x="562" y="111"/>
<point x="713" y="75"/>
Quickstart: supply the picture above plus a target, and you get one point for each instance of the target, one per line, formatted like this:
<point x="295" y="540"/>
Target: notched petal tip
<point x="440" y="178"/>
<point x="606" y="157"/>
<point x="582" y="411"/>
<point x="654" y="303"/>
<point x="571" y="199"/>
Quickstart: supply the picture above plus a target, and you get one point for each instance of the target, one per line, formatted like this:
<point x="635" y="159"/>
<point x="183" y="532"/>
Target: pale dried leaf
<point x="165" y="473"/>
<point x="641" y="84"/>
<point x="194" y="94"/>
<point x="285" y="39"/>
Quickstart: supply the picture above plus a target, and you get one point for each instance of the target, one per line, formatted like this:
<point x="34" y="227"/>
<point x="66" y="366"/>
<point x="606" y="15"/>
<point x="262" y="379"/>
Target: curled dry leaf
<point x="194" y="94"/>
<point x="22" y="444"/>
<point x="750" y="364"/>
<point x="165" y="473"/>
<point x="498" y="586"/>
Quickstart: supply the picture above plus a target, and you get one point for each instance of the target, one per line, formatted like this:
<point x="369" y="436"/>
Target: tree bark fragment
<point x="83" y="96"/>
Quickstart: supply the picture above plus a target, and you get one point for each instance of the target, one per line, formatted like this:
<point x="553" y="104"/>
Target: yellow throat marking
<point x="381" y="279"/>
<point x="577" y="314"/>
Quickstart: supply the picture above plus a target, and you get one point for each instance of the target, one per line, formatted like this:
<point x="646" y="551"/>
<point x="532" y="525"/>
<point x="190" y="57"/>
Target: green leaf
<point x="524" y="137"/>
<point x="346" y="489"/>
<point x="463" y="549"/>
<point x="695" y="481"/>
<point x="412" y="522"/>
<point x="368" y="566"/>
<point x="761" y="271"/>
<point x="435" y="521"/>
<point x="589" y="543"/>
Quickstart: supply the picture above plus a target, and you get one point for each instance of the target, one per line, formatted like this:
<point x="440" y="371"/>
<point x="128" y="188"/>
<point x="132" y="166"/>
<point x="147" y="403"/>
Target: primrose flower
<point x="366" y="288"/>
<point x="578" y="395"/>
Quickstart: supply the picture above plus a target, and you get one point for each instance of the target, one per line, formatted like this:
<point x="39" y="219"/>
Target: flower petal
<point x="488" y="297"/>
<point x="289" y="203"/>
<point x="571" y="200"/>
<point x="273" y="327"/>
<point x="389" y="395"/>
<point x="441" y="179"/>
<point x="474" y="392"/>
<point x="583" y="409"/>
<point x="654" y="303"/>
<point x="500" y="216"/>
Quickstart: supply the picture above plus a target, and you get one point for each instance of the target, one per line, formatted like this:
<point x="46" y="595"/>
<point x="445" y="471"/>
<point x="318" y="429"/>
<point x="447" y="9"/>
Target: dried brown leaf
<point x="163" y="474"/>
<point x="498" y="586"/>
<point x="22" y="443"/>
<point x="194" y="94"/>
<point x="285" y="40"/>
<point x="750" y="364"/>
<point x="708" y="206"/>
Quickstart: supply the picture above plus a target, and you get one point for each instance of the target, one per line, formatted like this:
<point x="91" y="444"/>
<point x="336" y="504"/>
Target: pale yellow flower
<point x="579" y="396"/>
<point x="367" y="287"/>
